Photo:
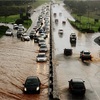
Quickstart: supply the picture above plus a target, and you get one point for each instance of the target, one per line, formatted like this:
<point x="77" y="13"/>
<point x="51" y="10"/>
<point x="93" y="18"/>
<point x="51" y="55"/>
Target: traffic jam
<point x="51" y="60"/>
<point x="24" y="59"/>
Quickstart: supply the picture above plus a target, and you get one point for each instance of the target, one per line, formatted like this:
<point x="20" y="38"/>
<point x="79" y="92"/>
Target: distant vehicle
<point x="32" y="34"/>
<point x="41" y="41"/>
<point x="72" y="37"/>
<point x="55" y="14"/>
<point x="32" y="85"/>
<point x="67" y="52"/>
<point x="15" y="26"/>
<point x="56" y="21"/>
<point x="19" y="33"/>
<point x="43" y="35"/>
<point x="63" y="22"/>
<point x="85" y="55"/>
<point x="9" y="32"/>
<point x="43" y="48"/>
<point x="20" y="26"/>
<point x="41" y="57"/>
<point x="25" y="37"/>
<point x="77" y="86"/>
<point x="60" y="31"/>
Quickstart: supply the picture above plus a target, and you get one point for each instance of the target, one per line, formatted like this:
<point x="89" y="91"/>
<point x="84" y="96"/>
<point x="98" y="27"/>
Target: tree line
<point x="84" y="7"/>
<point x="13" y="7"/>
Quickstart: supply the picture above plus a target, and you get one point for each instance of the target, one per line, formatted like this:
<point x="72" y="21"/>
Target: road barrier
<point x="51" y="77"/>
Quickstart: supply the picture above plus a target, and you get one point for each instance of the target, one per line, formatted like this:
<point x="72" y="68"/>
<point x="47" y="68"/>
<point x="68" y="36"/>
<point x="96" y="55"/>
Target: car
<point x="32" y="85"/>
<point x="56" y="21"/>
<point x="63" y="22"/>
<point x="85" y="55"/>
<point x="9" y="32"/>
<point x="41" y="41"/>
<point x="55" y="14"/>
<point x="43" y="48"/>
<point x="72" y="37"/>
<point x="25" y="37"/>
<point x="43" y="35"/>
<point x="15" y="26"/>
<point x="19" y="32"/>
<point x="20" y="26"/>
<point x="32" y="34"/>
<point x="77" y="86"/>
<point x="41" y="57"/>
<point x="60" y="31"/>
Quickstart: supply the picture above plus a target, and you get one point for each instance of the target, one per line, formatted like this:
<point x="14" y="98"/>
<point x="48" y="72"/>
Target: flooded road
<point x="68" y="67"/>
<point x="17" y="62"/>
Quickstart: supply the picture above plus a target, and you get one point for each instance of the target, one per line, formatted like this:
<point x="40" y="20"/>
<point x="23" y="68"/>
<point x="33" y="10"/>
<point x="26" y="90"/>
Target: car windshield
<point x="43" y="47"/>
<point x="87" y="53"/>
<point x="40" y="55"/>
<point x="31" y="82"/>
<point x="78" y="85"/>
<point x="41" y="40"/>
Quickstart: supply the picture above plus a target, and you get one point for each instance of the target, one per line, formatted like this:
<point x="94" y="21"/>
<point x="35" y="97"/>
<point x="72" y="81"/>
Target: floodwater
<point x="17" y="62"/>
<point x="68" y="67"/>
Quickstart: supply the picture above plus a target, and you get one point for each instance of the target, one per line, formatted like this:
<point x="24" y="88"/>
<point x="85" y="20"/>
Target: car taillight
<point x="82" y="55"/>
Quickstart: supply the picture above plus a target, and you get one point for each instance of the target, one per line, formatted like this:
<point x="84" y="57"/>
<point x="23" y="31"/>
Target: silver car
<point x="43" y="48"/>
<point x="41" y="41"/>
<point x="25" y="37"/>
<point x="9" y="32"/>
<point x="41" y="57"/>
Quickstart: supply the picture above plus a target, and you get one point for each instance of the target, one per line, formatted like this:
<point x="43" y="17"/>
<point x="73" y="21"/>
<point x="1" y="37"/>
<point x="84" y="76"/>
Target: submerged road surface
<point x="17" y="62"/>
<point x="68" y="67"/>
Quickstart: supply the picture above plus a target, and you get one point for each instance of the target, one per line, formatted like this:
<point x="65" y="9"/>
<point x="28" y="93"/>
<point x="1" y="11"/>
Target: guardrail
<point x="51" y="74"/>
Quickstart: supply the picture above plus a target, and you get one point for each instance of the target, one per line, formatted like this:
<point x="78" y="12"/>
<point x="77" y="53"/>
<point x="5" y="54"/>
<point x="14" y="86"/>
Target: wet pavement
<point x="68" y="67"/>
<point x="17" y="62"/>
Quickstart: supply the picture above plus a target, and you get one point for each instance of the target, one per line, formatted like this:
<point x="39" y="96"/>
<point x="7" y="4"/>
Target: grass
<point x="39" y="2"/>
<point x="9" y="19"/>
<point x="13" y="18"/>
<point x="86" y="23"/>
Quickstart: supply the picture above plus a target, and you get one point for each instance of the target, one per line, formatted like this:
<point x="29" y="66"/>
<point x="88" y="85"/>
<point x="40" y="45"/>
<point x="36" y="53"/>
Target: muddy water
<point x="17" y="62"/>
<point x="69" y="67"/>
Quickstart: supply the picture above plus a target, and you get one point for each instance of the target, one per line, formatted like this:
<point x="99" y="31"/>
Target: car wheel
<point x="38" y="92"/>
<point x="82" y="60"/>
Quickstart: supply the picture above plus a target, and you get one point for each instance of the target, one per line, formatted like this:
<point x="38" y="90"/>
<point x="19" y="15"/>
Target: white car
<point x="43" y="48"/>
<point x="41" y="57"/>
<point x="72" y="37"/>
<point x="9" y="32"/>
<point x="15" y="26"/>
<point x="25" y="37"/>
<point x="60" y="31"/>
<point x="20" y="26"/>
<point x="41" y="41"/>
<point x="43" y="35"/>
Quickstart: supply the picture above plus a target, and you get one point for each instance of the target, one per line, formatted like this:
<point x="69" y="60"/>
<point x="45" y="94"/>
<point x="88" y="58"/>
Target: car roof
<point x="73" y="34"/>
<point x="77" y="80"/>
<point x="60" y="29"/>
<point x="32" y="77"/>
<point x="86" y="51"/>
<point x="41" y="53"/>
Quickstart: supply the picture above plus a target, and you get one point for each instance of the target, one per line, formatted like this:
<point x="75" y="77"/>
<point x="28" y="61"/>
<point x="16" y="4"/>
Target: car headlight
<point x="37" y="88"/>
<point x="25" y="89"/>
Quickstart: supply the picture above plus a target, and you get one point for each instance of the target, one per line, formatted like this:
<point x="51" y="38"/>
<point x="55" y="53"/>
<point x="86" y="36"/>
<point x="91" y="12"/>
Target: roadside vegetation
<point x="3" y="30"/>
<point x="15" y="11"/>
<point x="86" y="14"/>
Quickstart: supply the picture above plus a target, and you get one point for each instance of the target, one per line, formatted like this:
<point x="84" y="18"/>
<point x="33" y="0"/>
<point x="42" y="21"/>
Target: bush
<point x="3" y="30"/>
<point x="19" y="21"/>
